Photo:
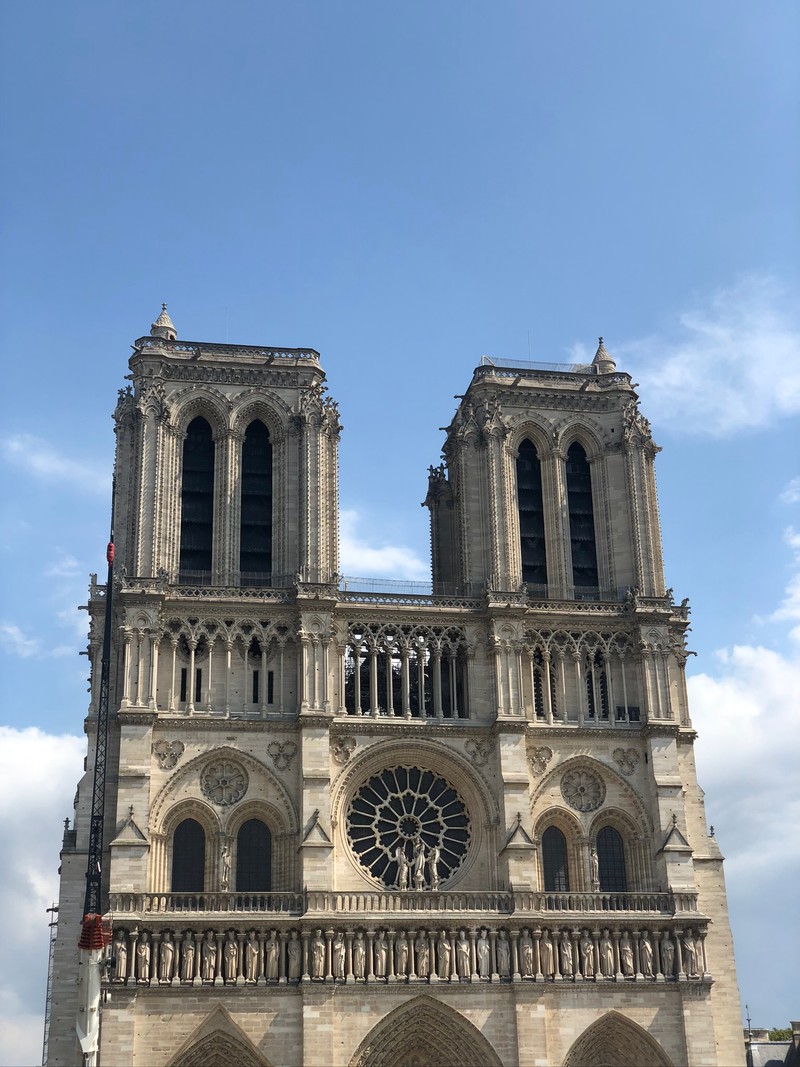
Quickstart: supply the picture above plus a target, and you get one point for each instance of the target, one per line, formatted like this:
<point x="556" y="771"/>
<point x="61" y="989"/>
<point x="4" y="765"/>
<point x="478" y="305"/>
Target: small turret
<point x="163" y="326"/>
<point x="602" y="362"/>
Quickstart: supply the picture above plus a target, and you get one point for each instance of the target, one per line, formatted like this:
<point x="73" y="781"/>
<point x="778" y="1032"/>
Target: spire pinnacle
<point x="602" y="360"/>
<point x="163" y="326"/>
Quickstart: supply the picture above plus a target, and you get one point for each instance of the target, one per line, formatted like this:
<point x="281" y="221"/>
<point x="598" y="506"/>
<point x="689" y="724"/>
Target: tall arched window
<point x="255" y="554"/>
<point x="611" y="860"/>
<point x="531" y="515"/>
<point x="581" y="518"/>
<point x="597" y="687"/>
<point x="197" y="502"/>
<point x="554" y="861"/>
<point x="539" y="683"/>
<point x="253" y="858"/>
<point x="188" y="857"/>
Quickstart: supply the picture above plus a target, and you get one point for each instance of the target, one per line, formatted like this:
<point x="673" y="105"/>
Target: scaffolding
<point x="53" y="924"/>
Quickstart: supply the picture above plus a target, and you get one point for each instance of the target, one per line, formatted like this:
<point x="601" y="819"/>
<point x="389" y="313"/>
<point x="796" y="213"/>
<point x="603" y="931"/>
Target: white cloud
<point x="65" y="566"/>
<point x="43" y="461"/>
<point x="791" y="494"/>
<point x="38" y="774"/>
<point x="729" y="365"/>
<point x="13" y="640"/>
<point x="361" y="559"/>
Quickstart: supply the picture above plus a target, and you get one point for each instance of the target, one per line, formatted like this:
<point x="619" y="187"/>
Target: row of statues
<point x="231" y="957"/>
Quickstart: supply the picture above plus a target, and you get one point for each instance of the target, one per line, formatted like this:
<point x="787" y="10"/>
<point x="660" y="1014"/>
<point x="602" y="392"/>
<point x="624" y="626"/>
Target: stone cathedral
<point x="360" y="825"/>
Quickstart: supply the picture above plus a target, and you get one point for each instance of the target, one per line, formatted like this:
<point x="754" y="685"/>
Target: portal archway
<point x="425" y="1033"/>
<point x="615" y="1041"/>
<point x="219" y="1042"/>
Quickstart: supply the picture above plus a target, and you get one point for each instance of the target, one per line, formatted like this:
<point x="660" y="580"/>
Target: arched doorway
<point x="615" y="1041"/>
<point x="425" y="1033"/>
<point x="219" y="1042"/>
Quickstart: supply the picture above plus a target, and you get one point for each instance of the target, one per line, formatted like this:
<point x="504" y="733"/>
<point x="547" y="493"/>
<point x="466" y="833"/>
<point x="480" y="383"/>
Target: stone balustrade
<point x="519" y="902"/>
<point x="239" y="956"/>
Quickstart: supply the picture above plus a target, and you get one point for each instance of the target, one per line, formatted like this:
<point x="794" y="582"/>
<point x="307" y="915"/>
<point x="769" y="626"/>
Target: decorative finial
<point x="130" y="812"/>
<point x="163" y="326"/>
<point x="711" y="830"/>
<point x="674" y="819"/>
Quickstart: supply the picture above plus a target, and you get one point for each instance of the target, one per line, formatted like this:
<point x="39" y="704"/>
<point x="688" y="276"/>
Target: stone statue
<point x="271" y="957"/>
<point x="187" y="958"/>
<point x="667" y="956"/>
<point x="433" y="867"/>
<point x="422" y="952"/>
<point x="339" y="953"/>
<point x="209" y="958"/>
<point x="484" y="955"/>
<point x="230" y="955"/>
<point x="443" y="956"/>
<point x="646" y="955"/>
<point x="166" y="958"/>
<point x="418" y="864"/>
<point x="401" y="955"/>
<point x="526" y="954"/>
<point x="626" y="956"/>
<point x="381" y="948"/>
<point x="359" y="956"/>
<point x="689" y="954"/>
<point x="595" y="862"/>
<point x="251" y="957"/>
<point x="587" y="955"/>
<point x="567" y="963"/>
<point x="143" y="958"/>
<point x="546" y="955"/>
<point x="402" y="867"/>
<point x="462" y="956"/>
<point x="318" y="955"/>
<point x="225" y="869"/>
<point x="120" y="958"/>
<point x="606" y="956"/>
<point x="295" y="953"/>
<point x="503" y="955"/>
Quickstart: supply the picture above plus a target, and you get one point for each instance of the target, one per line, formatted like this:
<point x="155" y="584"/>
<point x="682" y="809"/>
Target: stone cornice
<point x="164" y="722"/>
<point x="399" y="727"/>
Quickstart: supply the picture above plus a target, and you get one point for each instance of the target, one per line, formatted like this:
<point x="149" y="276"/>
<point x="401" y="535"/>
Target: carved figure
<point x="209" y="958"/>
<point x="526" y="954"/>
<point x="225" y="869"/>
<point x="402" y="867"/>
<point x="595" y="869"/>
<point x="462" y="956"/>
<point x="443" y="956"/>
<point x="626" y="956"/>
<point x="166" y="958"/>
<point x="433" y="867"/>
<point x="120" y="958"/>
<point x="503" y="955"/>
<point x="667" y="956"/>
<point x="422" y="953"/>
<point x="271" y="957"/>
<point x="646" y="955"/>
<point x="187" y="957"/>
<point x="418" y="864"/>
<point x="484" y="956"/>
<point x="231" y="958"/>
<point x="606" y="956"/>
<point x="401" y="955"/>
<point x="587" y="955"/>
<point x="143" y="958"/>
<point x="546" y="955"/>
<point x="359" y="956"/>
<point x="251" y="958"/>
<point x="318" y="955"/>
<point x="689" y="955"/>
<point x="295" y="953"/>
<point x="567" y="962"/>
<point x="338" y="952"/>
<point x="381" y="948"/>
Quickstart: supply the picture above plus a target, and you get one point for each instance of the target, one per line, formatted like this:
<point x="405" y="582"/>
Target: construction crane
<point x="95" y="933"/>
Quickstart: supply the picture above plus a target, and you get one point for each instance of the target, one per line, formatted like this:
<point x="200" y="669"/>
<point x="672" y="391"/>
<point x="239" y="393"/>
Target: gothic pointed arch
<point x="425" y="1033"/>
<point x="219" y="1042"/>
<point x="616" y="1041"/>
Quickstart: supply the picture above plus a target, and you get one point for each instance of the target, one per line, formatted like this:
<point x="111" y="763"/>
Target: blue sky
<point x="406" y="188"/>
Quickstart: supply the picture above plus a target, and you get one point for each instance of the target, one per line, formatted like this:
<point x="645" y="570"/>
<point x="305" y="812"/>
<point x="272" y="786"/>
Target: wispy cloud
<point x="791" y="494"/>
<point x="15" y="641"/>
<point x="40" y="459"/>
<point x="64" y="566"/>
<point x="362" y="559"/>
<point x="728" y="364"/>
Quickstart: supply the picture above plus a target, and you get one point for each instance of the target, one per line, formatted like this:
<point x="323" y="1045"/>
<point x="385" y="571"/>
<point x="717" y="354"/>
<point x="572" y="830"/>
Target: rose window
<point x="224" y="782"/>
<point x="403" y="808"/>
<point x="583" y="790"/>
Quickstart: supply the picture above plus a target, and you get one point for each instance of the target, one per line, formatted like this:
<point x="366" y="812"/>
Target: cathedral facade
<point x="361" y="828"/>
